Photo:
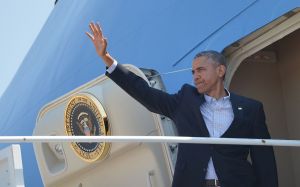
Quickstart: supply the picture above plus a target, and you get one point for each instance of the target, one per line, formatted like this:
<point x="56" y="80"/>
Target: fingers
<point x="92" y="28"/>
<point x="89" y="35"/>
<point x="96" y="29"/>
<point x="97" y="38"/>
<point x="99" y="30"/>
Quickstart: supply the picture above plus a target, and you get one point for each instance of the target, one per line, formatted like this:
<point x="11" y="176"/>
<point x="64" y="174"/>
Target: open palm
<point x="97" y="38"/>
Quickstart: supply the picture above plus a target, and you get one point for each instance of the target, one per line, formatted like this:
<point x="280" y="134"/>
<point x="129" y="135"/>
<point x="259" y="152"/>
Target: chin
<point x="201" y="91"/>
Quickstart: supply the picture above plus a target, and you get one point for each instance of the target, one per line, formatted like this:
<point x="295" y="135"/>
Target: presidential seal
<point x="85" y="116"/>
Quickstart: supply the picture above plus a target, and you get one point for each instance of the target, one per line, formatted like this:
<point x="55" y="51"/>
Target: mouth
<point x="199" y="83"/>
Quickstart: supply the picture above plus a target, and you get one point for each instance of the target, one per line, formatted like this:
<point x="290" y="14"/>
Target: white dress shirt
<point x="112" y="67"/>
<point x="218" y="115"/>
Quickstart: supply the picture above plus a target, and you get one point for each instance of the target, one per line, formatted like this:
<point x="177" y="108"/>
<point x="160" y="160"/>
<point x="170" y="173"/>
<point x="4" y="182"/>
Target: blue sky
<point x="20" y="23"/>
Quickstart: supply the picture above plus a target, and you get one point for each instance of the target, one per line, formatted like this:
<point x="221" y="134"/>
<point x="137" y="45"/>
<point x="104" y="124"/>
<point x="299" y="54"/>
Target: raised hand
<point x="99" y="42"/>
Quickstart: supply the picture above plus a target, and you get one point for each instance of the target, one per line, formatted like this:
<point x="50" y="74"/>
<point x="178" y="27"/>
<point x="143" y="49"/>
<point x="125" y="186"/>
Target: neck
<point x="218" y="92"/>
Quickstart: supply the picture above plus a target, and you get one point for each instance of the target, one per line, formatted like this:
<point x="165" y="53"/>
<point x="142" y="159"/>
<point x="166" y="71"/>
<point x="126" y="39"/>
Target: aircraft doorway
<point x="271" y="74"/>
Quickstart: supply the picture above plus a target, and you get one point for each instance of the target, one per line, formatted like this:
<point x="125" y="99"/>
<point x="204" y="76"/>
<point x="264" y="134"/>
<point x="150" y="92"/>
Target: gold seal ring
<point x="85" y="116"/>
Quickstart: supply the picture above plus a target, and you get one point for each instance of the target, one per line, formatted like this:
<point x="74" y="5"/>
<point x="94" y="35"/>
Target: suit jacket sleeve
<point x="262" y="157"/>
<point x="153" y="99"/>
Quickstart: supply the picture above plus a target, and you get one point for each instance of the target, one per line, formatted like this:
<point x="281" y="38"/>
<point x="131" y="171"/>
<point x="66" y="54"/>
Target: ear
<point x="221" y="70"/>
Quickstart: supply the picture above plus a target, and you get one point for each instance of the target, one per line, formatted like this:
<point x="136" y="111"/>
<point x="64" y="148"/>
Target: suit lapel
<point x="200" y="123"/>
<point x="238" y="111"/>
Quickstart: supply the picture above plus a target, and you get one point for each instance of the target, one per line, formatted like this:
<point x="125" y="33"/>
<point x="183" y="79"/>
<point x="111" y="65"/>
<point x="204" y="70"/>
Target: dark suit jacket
<point x="230" y="161"/>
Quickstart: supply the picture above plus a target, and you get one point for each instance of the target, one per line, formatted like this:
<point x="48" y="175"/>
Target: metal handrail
<point x="151" y="139"/>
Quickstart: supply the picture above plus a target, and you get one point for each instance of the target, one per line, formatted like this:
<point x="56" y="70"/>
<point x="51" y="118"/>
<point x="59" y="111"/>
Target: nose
<point x="196" y="76"/>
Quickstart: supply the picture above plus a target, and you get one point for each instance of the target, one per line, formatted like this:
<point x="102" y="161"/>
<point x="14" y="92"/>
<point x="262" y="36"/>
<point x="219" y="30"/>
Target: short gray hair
<point x="214" y="55"/>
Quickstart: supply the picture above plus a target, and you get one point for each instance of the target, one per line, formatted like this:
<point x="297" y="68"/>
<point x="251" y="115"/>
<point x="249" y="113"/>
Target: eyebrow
<point x="198" y="68"/>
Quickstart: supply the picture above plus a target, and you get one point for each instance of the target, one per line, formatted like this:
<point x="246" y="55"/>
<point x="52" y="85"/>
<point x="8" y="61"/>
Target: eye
<point x="200" y="69"/>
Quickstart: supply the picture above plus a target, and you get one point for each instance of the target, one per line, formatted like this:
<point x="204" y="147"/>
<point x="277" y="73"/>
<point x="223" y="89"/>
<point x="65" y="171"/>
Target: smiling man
<point x="207" y="110"/>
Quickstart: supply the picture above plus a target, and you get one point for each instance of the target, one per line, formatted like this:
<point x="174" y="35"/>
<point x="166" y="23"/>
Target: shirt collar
<point x="211" y="99"/>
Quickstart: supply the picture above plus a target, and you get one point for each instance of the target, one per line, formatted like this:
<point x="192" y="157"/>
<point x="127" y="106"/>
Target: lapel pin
<point x="240" y="108"/>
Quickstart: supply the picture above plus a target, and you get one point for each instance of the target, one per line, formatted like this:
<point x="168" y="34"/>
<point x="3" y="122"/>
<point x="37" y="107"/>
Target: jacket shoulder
<point x="188" y="87"/>
<point x="248" y="100"/>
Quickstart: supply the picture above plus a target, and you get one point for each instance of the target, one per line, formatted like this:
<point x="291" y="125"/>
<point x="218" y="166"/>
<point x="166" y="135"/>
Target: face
<point x="207" y="75"/>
